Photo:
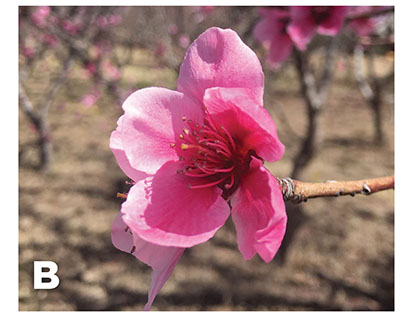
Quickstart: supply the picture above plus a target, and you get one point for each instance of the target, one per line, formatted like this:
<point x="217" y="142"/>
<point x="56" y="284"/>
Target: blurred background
<point x="333" y="104"/>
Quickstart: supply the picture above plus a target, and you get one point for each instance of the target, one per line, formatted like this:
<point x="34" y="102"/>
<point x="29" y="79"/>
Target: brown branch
<point x="369" y="14"/>
<point x="298" y="191"/>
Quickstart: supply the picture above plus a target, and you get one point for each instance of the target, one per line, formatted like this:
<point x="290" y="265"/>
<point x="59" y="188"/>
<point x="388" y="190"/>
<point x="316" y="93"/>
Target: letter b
<point x="39" y="274"/>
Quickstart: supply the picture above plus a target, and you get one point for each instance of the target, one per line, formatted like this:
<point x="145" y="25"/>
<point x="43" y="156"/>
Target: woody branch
<point x="298" y="191"/>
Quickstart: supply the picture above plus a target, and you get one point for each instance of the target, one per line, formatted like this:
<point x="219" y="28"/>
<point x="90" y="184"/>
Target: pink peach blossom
<point x="160" y="49"/>
<point x="363" y="26"/>
<point x="305" y="21"/>
<point x="50" y="39"/>
<point x="91" y="98"/>
<point x="271" y="31"/>
<point x="173" y="29"/>
<point x="39" y="16"/>
<point x="111" y="71"/>
<point x="192" y="151"/>
<point x="28" y="52"/>
<point x="184" y="41"/>
<point x="90" y="70"/>
<point x="72" y="27"/>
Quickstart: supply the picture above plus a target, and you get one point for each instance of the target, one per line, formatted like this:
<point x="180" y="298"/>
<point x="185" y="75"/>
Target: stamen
<point x="232" y="142"/>
<point x="207" y="184"/>
<point x="228" y="186"/>
<point x="122" y="195"/>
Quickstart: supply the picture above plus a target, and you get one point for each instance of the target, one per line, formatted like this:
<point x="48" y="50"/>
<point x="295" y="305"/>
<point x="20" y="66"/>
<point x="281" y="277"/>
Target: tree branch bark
<point x="298" y="191"/>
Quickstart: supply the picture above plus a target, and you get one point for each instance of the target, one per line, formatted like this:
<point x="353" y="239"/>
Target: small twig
<point x="298" y="191"/>
<point x="369" y="14"/>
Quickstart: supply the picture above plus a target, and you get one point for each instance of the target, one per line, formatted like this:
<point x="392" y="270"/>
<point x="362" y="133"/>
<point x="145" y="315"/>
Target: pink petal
<point x="152" y="122"/>
<point x="302" y="26"/>
<point x="334" y="22"/>
<point x="120" y="156"/>
<point x="246" y="120"/>
<point x="363" y="27"/>
<point x="164" y="211"/>
<point x="279" y="50"/>
<point x="269" y="27"/>
<point x="162" y="259"/>
<point x="213" y="60"/>
<point x="258" y="212"/>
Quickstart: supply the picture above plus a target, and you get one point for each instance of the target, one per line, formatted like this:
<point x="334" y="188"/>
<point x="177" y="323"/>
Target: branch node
<point x="287" y="187"/>
<point x="366" y="190"/>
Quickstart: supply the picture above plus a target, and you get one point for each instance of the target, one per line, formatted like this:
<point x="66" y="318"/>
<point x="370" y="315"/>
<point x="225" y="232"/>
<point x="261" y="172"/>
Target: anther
<point x="133" y="249"/>
<point x="184" y="146"/>
<point x="122" y="195"/>
<point x="181" y="158"/>
<point x="184" y="118"/>
<point x="186" y="131"/>
<point x="181" y="136"/>
<point x="172" y="145"/>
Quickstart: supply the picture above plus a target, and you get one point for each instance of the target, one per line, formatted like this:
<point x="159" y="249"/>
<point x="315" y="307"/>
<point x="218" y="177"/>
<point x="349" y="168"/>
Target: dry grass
<point x="341" y="257"/>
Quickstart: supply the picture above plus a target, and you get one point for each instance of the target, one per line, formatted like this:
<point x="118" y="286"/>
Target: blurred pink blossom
<point x="363" y="26"/>
<point x="114" y="19"/>
<point x="207" y="9"/>
<point x="50" y="39"/>
<point x="28" y="52"/>
<point x="72" y="27"/>
<point x="39" y="16"/>
<point x="173" y="29"/>
<point x="110" y="70"/>
<point x="160" y="49"/>
<point x="184" y="40"/>
<point x="192" y="150"/>
<point x="90" y="69"/>
<point x="271" y="31"/>
<point x="305" y="21"/>
<point x="108" y="20"/>
<point x="90" y="99"/>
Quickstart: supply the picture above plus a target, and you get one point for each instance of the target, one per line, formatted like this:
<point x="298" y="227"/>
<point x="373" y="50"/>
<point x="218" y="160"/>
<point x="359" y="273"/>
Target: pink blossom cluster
<point x="197" y="155"/>
<point x="91" y="98"/>
<point x="108" y="20"/>
<point x="39" y="16"/>
<point x="72" y="27"/>
<point x="281" y="28"/>
<point x="364" y="26"/>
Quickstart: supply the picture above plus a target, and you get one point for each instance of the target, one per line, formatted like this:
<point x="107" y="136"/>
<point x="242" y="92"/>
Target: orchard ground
<point x="341" y="258"/>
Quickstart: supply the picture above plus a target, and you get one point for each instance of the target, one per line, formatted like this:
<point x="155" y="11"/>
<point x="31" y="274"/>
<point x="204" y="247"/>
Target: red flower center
<point x="210" y="153"/>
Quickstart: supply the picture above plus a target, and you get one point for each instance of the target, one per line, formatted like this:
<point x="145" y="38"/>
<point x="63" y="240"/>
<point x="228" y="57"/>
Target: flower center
<point x="212" y="156"/>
